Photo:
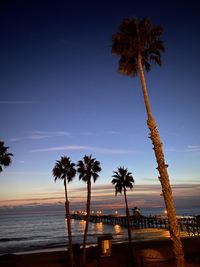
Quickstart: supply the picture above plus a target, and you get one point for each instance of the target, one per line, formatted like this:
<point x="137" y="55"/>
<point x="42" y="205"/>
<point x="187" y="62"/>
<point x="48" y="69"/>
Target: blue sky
<point x="61" y="94"/>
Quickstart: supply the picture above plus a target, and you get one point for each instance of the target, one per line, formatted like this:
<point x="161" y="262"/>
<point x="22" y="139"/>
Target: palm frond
<point x="64" y="169"/>
<point x="5" y="157"/>
<point x="122" y="179"/>
<point x="88" y="168"/>
<point x="134" y="37"/>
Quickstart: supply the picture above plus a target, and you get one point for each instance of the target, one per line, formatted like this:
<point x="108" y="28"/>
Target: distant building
<point x="136" y="212"/>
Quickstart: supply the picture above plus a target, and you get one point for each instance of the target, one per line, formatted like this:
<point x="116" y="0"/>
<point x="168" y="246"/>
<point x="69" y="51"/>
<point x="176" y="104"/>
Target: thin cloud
<point x="16" y="102"/>
<point x="142" y="190"/>
<point x="113" y="132"/>
<point x="100" y="133"/>
<point x="185" y="195"/>
<point x="45" y="134"/>
<point x="15" y="139"/>
<point x="188" y="149"/>
<point x="88" y="148"/>
<point x="194" y="148"/>
<point x="87" y="133"/>
<point x="38" y="135"/>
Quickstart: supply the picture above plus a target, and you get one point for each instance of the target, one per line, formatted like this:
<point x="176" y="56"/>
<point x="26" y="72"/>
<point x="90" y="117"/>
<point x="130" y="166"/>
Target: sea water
<point x="29" y="228"/>
<point x="44" y="227"/>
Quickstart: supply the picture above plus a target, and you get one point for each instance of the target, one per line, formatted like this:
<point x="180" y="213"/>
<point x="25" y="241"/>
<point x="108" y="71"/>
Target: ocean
<point x="43" y="227"/>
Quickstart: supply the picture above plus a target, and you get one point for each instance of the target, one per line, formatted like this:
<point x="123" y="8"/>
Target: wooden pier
<point x="191" y="225"/>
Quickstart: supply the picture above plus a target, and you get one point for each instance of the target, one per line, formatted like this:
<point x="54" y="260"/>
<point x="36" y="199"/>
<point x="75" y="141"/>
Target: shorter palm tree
<point x="5" y="157"/>
<point x="65" y="170"/>
<point x="88" y="168"/>
<point x="123" y="179"/>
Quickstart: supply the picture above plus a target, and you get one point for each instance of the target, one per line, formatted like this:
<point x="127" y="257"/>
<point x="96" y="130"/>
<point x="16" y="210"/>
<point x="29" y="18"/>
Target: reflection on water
<point x="82" y="225"/>
<point x="117" y="229"/>
<point x="118" y="232"/>
<point x="99" y="228"/>
<point x="95" y="228"/>
<point x="25" y="228"/>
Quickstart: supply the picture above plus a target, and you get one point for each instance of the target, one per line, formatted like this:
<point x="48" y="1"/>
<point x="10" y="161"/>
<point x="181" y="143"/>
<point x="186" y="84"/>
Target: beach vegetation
<point x="88" y="170"/>
<point x="138" y="43"/>
<point x="65" y="170"/>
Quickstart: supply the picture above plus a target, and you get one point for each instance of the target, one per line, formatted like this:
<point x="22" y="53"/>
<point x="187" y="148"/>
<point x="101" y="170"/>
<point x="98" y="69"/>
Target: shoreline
<point x="138" y="235"/>
<point x="156" y="252"/>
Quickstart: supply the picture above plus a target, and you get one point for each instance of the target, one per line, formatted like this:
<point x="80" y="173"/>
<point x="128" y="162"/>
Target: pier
<point x="191" y="225"/>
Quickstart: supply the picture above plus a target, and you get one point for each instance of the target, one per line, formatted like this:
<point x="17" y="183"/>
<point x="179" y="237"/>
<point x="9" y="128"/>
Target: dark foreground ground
<point x="146" y="253"/>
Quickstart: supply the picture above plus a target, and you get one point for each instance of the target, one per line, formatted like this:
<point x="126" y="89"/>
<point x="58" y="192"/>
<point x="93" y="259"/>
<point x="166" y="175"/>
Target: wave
<point x="19" y="238"/>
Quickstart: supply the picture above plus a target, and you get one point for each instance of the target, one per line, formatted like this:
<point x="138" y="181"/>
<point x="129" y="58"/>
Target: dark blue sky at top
<point x="48" y="47"/>
<point x="57" y="74"/>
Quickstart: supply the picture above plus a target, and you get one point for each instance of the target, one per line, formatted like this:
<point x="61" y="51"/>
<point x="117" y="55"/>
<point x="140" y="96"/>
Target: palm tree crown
<point x="137" y="37"/>
<point x="64" y="169"/>
<point x="5" y="157"/>
<point x="87" y="168"/>
<point x="122" y="179"/>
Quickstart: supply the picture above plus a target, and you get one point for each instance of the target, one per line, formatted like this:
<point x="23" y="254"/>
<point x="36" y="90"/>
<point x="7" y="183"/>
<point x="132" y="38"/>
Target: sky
<point x="61" y="94"/>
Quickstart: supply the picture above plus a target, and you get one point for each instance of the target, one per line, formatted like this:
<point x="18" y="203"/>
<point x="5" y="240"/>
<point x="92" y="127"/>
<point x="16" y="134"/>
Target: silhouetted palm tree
<point x="5" y="157"/>
<point x="138" y="44"/>
<point x="65" y="170"/>
<point x="123" y="179"/>
<point x="88" y="168"/>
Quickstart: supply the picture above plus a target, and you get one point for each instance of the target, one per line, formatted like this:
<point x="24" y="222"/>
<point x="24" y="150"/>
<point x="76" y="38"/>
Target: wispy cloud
<point x="16" y="102"/>
<point x="16" y="139"/>
<point x="87" y="133"/>
<point x="101" y="150"/>
<point x="105" y="190"/>
<point x="113" y="132"/>
<point x="110" y="132"/>
<point x="188" y="149"/>
<point x="44" y="134"/>
<point x="37" y="135"/>
<point x="185" y="195"/>
<point x="194" y="148"/>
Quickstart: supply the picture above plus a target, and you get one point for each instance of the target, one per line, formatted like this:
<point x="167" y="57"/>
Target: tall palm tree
<point x="5" y="157"/>
<point x="138" y="43"/>
<point x="65" y="170"/>
<point x="88" y="168"/>
<point x="123" y="179"/>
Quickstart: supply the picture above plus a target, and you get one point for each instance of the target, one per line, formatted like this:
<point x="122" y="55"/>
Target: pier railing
<point x="191" y="225"/>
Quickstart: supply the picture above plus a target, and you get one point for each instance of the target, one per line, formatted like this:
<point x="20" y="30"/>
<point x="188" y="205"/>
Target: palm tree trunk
<point x="131" y="259"/>
<point x="128" y="218"/>
<point x="164" y="178"/>
<point x="87" y="221"/>
<point x="68" y="226"/>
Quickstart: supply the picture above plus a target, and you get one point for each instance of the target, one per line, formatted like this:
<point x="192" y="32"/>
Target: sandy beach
<point x="146" y="253"/>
